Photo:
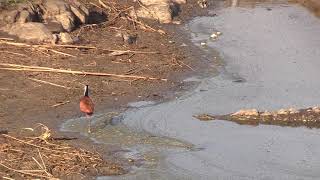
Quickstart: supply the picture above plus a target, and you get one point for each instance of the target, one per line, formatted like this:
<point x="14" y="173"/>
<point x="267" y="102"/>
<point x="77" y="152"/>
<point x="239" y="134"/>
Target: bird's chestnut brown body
<point x="86" y="105"/>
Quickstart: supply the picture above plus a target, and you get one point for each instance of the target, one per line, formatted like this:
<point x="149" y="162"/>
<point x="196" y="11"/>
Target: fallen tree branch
<point x="16" y="67"/>
<point x="48" y="48"/>
<point x="41" y="47"/>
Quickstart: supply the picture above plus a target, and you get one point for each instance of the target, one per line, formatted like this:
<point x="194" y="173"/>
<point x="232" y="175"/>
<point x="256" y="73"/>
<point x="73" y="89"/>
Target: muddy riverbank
<point x="265" y="65"/>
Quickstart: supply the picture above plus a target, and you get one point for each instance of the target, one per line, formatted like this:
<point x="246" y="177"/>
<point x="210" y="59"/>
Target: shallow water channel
<point x="271" y="60"/>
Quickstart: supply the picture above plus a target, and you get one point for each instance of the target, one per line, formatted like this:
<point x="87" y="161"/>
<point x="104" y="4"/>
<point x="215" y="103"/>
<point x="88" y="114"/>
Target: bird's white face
<point x="86" y="90"/>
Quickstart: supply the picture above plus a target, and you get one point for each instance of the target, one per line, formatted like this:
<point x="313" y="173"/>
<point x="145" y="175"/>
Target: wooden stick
<point x="46" y="82"/>
<point x="45" y="47"/>
<point x="46" y="69"/>
<point x="23" y="66"/>
<point x="73" y="46"/>
<point x="146" y="26"/>
<point x="104" y="5"/>
<point x="42" y="47"/>
<point x="44" y="165"/>
<point x="7" y="39"/>
<point x="16" y="43"/>
<point x="4" y="177"/>
<point x="132" y="51"/>
<point x="187" y="65"/>
<point x="14" y="53"/>
<point x="60" y="104"/>
<point x="34" y="159"/>
<point x="62" y="53"/>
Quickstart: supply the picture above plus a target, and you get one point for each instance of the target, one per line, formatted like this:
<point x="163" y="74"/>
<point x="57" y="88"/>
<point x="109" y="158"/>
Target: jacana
<point x="86" y="105"/>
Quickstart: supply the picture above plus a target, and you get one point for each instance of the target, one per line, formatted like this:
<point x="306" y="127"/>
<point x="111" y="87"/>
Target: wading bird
<point x="87" y="106"/>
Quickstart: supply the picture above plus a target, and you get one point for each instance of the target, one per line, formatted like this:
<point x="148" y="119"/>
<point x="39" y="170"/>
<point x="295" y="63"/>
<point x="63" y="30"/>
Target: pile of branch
<point x="123" y="14"/>
<point x="46" y="158"/>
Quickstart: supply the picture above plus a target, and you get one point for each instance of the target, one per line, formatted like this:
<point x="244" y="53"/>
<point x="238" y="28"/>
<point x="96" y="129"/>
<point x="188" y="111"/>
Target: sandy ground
<point x="272" y="79"/>
<point x="274" y="50"/>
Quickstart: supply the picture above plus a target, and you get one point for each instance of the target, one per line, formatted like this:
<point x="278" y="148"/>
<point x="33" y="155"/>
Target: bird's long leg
<point x="89" y="124"/>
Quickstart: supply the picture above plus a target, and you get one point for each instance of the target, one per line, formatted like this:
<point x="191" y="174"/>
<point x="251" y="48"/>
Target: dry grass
<point x="41" y="156"/>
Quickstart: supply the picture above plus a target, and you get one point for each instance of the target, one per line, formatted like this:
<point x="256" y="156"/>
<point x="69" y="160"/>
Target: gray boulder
<point x="31" y="31"/>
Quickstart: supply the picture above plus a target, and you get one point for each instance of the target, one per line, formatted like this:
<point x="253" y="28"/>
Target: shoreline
<point x="155" y="91"/>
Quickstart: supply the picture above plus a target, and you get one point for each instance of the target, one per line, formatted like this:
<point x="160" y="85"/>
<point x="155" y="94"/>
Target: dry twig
<point x="14" y="53"/>
<point x="60" y="104"/>
<point x="46" y="82"/>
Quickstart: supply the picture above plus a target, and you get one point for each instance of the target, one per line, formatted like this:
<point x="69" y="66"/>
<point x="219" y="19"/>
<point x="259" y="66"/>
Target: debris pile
<point x="45" y="157"/>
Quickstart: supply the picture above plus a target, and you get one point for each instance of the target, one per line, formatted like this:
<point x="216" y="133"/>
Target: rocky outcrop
<point x="45" y="20"/>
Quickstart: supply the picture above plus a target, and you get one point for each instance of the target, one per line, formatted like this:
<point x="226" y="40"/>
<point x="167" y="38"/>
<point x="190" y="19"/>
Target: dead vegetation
<point x="46" y="157"/>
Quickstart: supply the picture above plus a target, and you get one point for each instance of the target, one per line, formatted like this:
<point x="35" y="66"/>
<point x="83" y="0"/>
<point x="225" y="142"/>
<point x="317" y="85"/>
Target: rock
<point x="246" y="112"/>
<point x="46" y="17"/>
<point x="67" y="21"/>
<point x="80" y="14"/>
<point x="316" y="109"/>
<point x="161" y="12"/>
<point x="9" y="16"/>
<point x="25" y="16"/>
<point x="203" y="3"/>
<point x="30" y="31"/>
<point x="266" y="113"/>
<point x="54" y="7"/>
<point x="214" y="35"/>
<point x="293" y="111"/>
<point x="127" y="38"/>
<point x="69" y="16"/>
<point x="283" y="112"/>
<point x="54" y="27"/>
<point x="65" y="38"/>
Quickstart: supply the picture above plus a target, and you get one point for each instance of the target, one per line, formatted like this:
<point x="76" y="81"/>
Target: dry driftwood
<point x="16" y="67"/>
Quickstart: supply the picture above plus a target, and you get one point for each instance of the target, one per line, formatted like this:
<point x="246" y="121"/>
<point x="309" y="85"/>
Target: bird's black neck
<point x="86" y="91"/>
